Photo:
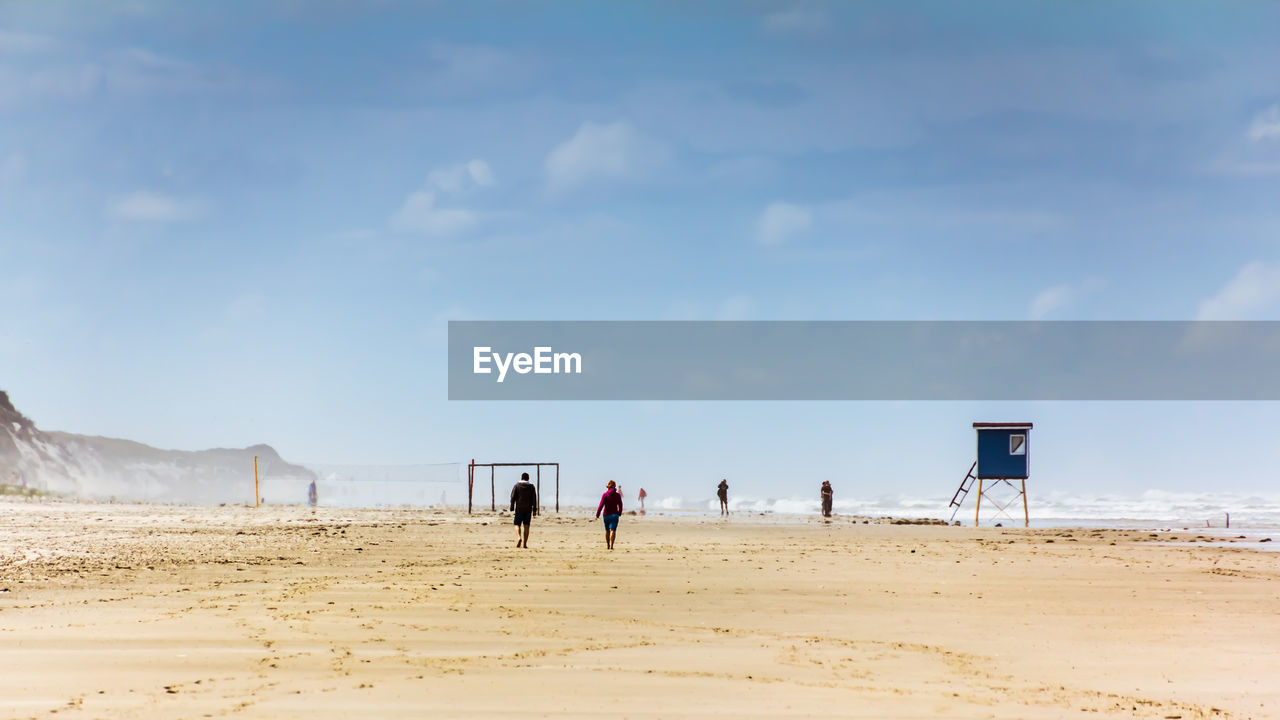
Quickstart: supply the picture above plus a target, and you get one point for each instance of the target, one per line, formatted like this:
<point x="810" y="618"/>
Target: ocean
<point x="1154" y="509"/>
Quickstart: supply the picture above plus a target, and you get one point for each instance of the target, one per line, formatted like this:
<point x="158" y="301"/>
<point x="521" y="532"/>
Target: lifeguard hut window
<point x="1017" y="444"/>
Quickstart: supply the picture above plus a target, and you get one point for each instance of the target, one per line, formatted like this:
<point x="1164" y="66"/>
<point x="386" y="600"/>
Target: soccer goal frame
<point x="493" y="490"/>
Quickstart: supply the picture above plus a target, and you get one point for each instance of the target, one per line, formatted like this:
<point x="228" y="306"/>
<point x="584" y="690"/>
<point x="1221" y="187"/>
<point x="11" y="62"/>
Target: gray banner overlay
<point x="865" y="360"/>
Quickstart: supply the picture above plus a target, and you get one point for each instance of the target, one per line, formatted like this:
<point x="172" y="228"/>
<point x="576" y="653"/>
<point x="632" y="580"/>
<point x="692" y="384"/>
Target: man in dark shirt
<point x="524" y="503"/>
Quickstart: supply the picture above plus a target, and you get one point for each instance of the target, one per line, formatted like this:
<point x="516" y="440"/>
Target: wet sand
<point x="142" y="611"/>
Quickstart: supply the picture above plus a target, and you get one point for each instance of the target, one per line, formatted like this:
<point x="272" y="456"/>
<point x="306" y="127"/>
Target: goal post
<point x="474" y="466"/>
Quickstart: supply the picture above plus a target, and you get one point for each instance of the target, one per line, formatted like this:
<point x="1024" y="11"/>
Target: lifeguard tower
<point x="1004" y="456"/>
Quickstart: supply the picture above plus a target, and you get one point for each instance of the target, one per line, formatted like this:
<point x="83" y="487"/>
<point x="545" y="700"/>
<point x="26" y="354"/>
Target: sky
<point x="225" y="223"/>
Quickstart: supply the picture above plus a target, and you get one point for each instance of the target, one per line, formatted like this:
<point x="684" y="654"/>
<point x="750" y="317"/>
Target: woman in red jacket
<point x="611" y="506"/>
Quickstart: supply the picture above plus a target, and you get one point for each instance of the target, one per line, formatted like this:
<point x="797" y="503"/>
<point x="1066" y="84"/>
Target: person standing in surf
<point x="524" y="503"/>
<point x="722" y="492"/>
<point x="827" y="494"/>
<point x="611" y="506"/>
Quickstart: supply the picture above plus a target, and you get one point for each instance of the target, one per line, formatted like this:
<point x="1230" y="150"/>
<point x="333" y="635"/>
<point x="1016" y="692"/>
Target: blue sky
<point x="230" y="223"/>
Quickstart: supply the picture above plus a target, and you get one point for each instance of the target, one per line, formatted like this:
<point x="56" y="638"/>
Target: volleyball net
<point x="442" y="485"/>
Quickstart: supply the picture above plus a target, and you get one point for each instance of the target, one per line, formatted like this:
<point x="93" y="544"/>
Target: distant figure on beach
<point x="524" y="503"/>
<point x="642" y="496"/>
<point x="827" y="494"/>
<point x="611" y="506"/>
<point x="311" y="494"/>
<point x="722" y="492"/>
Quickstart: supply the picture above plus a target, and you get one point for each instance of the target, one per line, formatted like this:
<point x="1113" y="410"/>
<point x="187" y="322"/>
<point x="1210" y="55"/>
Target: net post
<point x="256" y="495"/>
<point x="557" y="487"/>
<point x="493" y="492"/>
<point x="538" y="473"/>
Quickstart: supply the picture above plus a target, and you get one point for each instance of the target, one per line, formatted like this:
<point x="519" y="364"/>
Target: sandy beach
<point x="285" y="612"/>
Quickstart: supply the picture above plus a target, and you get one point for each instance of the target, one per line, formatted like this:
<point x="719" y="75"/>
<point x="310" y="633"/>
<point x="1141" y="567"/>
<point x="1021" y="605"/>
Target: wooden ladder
<point x="963" y="491"/>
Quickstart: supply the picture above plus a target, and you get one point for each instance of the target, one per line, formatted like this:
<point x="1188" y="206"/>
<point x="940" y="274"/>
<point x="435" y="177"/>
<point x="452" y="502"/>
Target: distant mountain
<point x="101" y="468"/>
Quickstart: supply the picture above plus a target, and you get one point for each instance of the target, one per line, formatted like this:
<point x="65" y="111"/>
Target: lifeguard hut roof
<point x="1003" y="426"/>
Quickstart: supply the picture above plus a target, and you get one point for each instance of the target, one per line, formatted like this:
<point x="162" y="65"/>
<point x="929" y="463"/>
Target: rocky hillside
<point x="103" y="468"/>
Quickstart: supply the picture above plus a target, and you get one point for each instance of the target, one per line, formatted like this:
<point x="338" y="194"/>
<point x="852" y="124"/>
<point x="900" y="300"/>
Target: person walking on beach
<point x="311" y="494"/>
<point x="642" y="496"/>
<point x="722" y="492"/>
<point x="524" y="503"/>
<point x="611" y="506"/>
<point x="827" y="494"/>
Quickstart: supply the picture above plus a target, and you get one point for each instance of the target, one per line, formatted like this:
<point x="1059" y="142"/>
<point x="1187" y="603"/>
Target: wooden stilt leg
<point x="977" y="510"/>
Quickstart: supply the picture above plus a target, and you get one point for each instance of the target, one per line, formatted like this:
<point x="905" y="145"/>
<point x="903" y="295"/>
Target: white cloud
<point x="147" y="206"/>
<point x="795" y="20"/>
<point x="422" y="212"/>
<point x="1256" y="153"/>
<point x="1049" y="300"/>
<point x="780" y="221"/>
<point x="1266" y="125"/>
<point x="1053" y="299"/>
<point x="613" y="151"/>
<point x="460" y="178"/>
<point x="1255" y="289"/>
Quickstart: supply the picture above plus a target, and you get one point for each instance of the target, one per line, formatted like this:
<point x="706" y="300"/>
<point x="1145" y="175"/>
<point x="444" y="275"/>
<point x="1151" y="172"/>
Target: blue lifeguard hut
<point x="1003" y="458"/>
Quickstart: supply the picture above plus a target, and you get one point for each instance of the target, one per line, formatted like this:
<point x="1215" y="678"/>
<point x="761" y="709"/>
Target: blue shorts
<point x="611" y="522"/>
<point x="524" y="518"/>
